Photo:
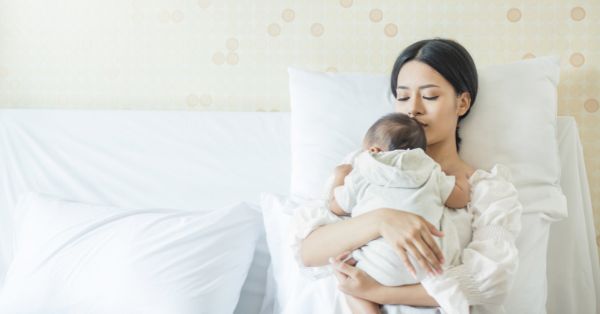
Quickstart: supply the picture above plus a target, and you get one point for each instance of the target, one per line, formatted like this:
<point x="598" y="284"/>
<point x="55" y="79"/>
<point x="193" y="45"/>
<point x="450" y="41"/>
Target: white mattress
<point x="206" y="160"/>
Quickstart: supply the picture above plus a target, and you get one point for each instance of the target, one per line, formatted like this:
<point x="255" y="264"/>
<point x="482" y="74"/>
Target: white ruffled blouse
<point x="489" y="260"/>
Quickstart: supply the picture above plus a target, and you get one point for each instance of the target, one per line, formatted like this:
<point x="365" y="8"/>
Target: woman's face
<point x="425" y="95"/>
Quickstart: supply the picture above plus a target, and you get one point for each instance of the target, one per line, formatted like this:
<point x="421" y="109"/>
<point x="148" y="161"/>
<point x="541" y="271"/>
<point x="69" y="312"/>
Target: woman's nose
<point x="415" y="106"/>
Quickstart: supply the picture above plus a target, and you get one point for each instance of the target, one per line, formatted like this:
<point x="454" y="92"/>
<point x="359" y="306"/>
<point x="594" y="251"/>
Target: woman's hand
<point x="410" y="233"/>
<point x="353" y="281"/>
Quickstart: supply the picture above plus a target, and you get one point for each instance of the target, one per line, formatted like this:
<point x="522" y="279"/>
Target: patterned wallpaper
<point x="232" y="55"/>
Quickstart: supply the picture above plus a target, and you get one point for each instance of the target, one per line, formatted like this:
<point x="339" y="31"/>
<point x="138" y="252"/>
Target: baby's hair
<point x="396" y="131"/>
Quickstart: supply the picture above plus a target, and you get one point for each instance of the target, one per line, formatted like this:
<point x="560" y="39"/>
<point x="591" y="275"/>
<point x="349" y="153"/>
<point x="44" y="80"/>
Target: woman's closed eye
<point x="427" y="98"/>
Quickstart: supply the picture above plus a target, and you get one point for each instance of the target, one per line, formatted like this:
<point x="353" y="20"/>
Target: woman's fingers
<point x="420" y="259"/>
<point x="425" y="249"/>
<point x="343" y="256"/>
<point x="433" y="246"/>
<point x="339" y="276"/>
<point x="345" y="269"/>
<point x="406" y="261"/>
<point x="433" y="229"/>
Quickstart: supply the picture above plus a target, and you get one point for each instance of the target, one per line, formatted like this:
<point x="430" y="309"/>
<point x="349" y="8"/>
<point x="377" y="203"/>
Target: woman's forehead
<point x="415" y="74"/>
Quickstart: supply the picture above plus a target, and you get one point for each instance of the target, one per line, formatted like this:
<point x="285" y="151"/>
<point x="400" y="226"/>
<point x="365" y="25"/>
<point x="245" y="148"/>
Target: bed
<point x="208" y="161"/>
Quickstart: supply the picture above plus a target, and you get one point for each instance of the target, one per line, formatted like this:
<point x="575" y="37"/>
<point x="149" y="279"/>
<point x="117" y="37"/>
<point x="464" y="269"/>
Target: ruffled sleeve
<point x="490" y="260"/>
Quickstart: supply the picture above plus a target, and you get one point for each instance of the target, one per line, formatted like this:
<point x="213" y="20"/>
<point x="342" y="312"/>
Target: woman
<point x="435" y="82"/>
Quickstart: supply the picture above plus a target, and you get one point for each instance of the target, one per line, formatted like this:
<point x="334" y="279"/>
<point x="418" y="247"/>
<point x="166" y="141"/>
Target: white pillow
<point x="330" y="114"/>
<point x="73" y="257"/>
<point x="513" y="122"/>
<point x="296" y="292"/>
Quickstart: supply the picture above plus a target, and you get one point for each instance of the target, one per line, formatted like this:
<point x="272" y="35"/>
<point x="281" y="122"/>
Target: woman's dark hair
<point x="396" y="131"/>
<point x="448" y="58"/>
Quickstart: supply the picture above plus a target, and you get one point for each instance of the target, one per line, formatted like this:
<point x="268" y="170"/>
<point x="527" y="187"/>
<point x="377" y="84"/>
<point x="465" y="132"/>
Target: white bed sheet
<point x="573" y="267"/>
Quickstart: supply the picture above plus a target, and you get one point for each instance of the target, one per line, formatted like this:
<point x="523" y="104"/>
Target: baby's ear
<point x="375" y="149"/>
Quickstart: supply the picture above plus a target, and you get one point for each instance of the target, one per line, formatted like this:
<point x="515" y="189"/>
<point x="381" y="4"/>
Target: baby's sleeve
<point x="445" y="183"/>
<point x="345" y="195"/>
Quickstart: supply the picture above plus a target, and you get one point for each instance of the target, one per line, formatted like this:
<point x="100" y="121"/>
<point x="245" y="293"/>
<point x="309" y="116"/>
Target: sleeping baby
<point x="393" y="171"/>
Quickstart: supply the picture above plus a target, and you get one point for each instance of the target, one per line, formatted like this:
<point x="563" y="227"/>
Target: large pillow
<point x="513" y="122"/>
<point x="73" y="257"/>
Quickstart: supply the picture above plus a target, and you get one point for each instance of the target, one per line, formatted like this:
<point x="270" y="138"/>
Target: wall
<point x="232" y="55"/>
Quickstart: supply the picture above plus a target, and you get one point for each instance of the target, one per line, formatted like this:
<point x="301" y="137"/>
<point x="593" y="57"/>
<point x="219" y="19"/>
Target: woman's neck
<point x="445" y="154"/>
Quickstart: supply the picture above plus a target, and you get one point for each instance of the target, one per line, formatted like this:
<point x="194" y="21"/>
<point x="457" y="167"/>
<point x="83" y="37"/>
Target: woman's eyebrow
<point x="420" y="87"/>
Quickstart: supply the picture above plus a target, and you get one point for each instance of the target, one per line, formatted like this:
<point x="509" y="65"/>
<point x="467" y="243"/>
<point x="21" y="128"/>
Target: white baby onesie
<point x="408" y="180"/>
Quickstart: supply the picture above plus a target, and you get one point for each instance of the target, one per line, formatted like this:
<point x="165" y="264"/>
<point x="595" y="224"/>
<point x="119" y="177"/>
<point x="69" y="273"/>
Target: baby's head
<point x="395" y="131"/>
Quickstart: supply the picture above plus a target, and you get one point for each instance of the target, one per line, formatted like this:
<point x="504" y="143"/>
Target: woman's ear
<point x="464" y="103"/>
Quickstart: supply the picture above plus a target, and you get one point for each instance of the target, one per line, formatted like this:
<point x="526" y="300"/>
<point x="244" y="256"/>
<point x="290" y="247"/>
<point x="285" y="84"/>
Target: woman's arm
<point x="333" y="239"/>
<point x="404" y="231"/>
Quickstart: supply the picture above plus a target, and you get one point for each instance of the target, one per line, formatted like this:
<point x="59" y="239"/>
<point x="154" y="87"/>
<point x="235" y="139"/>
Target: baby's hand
<point x="340" y="174"/>
<point x="460" y="195"/>
<point x="342" y="170"/>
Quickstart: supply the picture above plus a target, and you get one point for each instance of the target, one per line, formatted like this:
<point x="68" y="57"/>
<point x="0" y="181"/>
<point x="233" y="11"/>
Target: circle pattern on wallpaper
<point x="204" y="100"/>
<point x="204" y="3"/>
<point x="391" y="30"/>
<point x="193" y="100"/>
<point x="528" y="55"/>
<point x="577" y="14"/>
<point x="317" y="29"/>
<point x="288" y="15"/>
<point x="591" y="105"/>
<point x="177" y="16"/>
<point x="577" y="59"/>
<point x="164" y="16"/>
<point x="346" y="3"/>
<point x="232" y="58"/>
<point x="232" y="44"/>
<point x="376" y="15"/>
<point x="274" y="29"/>
<point x="513" y="15"/>
<point x="218" y="58"/>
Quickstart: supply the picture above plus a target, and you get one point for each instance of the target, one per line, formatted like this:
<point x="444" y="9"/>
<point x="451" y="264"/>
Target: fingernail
<point x="331" y="260"/>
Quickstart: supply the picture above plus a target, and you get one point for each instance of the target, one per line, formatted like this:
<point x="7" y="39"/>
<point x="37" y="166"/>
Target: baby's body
<point x="402" y="177"/>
